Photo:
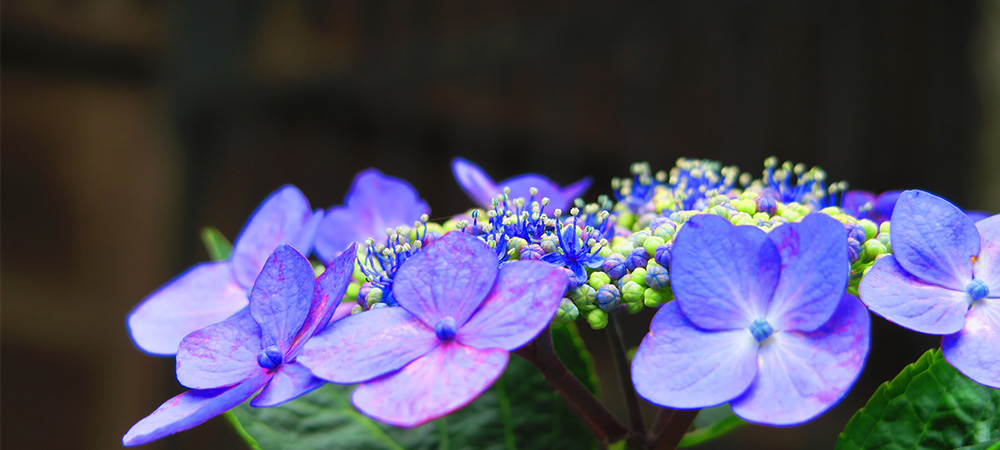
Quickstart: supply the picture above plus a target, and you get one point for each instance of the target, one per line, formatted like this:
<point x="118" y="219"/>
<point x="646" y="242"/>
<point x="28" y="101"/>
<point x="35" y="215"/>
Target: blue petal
<point x="220" y="354"/>
<point x="814" y="271"/>
<point x="934" y="240"/>
<point x="893" y="293"/>
<point x="363" y="346"/>
<point x="190" y="409"/>
<point x="445" y="379"/>
<point x="556" y="259"/>
<point x="855" y="200"/>
<point x="448" y="278"/>
<point x="579" y="273"/>
<point x="723" y="275"/>
<point x="291" y="381"/>
<point x="802" y="374"/>
<point x="280" y="219"/>
<point x="281" y="297"/>
<point x="327" y="294"/>
<point x="973" y="351"/>
<point x="475" y="182"/>
<point x="987" y="265"/>
<point x="522" y="303"/>
<point x="205" y="294"/>
<point x="679" y="365"/>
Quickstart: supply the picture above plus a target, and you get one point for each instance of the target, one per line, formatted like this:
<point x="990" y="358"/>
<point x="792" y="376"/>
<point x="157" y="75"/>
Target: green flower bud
<point x="584" y="296"/>
<point x="352" y="290"/>
<point x="639" y="238"/>
<point x="656" y="297"/>
<point x="639" y="276"/>
<point x="514" y="246"/>
<point x="597" y="319"/>
<point x="374" y="296"/>
<point x="566" y="313"/>
<point x="356" y="309"/>
<point x="651" y="243"/>
<point x="871" y="229"/>
<point x="632" y="292"/>
<point x="665" y="233"/>
<point x="871" y="249"/>
<point x="761" y="217"/>
<point x="598" y="279"/>
<point x="720" y="210"/>
<point x="633" y="308"/>
<point x="883" y="227"/>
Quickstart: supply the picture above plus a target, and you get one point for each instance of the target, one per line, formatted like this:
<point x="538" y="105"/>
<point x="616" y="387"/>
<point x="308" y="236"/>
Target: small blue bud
<point x="608" y="297"/>
<point x="270" y="357"/>
<point x="366" y="287"/>
<point x="761" y="330"/>
<point x="657" y="276"/>
<point x="855" y="231"/>
<point x="614" y="266"/>
<point x="977" y="290"/>
<point x="766" y="204"/>
<point x="663" y="252"/>
<point x="636" y="258"/>
<point x="532" y="252"/>
<point x="446" y="329"/>
<point x="853" y="249"/>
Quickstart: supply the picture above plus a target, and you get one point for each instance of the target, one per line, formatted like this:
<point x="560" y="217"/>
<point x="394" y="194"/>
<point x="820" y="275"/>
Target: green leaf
<point x="929" y="405"/>
<point x="710" y="424"/>
<point x="520" y="411"/>
<point x="217" y="245"/>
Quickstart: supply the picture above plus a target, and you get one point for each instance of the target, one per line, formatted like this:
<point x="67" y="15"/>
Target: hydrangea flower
<point x="226" y="363"/>
<point x="575" y="254"/>
<point x="481" y="188"/>
<point x="761" y="321"/>
<point x="210" y="292"/>
<point x="374" y="203"/>
<point x="448" y="340"/>
<point x="943" y="278"/>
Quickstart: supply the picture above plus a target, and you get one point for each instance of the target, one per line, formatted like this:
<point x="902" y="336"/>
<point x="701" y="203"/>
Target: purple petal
<point x="976" y="216"/>
<point x="291" y="381"/>
<point x="802" y="374"/>
<point x="973" y="351"/>
<point x="891" y="292"/>
<point x="205" y="294"/>
<point x="987" y="265"/>
<point x="304" y="240"/>
<point x="278" y="220"/>
<point x="340" y="228"/>
<point x="577" y="189"/>
<point x="281" y="297"/>
<point x="522" y="303"/>
<point x="221" y="354"/>
<point x="448" y="278"/>
<point x="367" y="345"/>
<point x="475" y="182"/>
<point x="446" y="379"/>
<point x="680" y="365"/>
<point x="327" y="294"/>
<point x="814" y="271"/>
<point x="934" y="240"/>
<point x="723" y="275"/>
<point x="190" y="409"/>
<point x="855" y="200"/>
<point x="883" y="206"/>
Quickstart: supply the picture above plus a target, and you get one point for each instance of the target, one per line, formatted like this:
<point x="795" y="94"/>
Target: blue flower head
<point x="575" y="254"/>
<point x="790" y="183"/>
<point x="256" y="349"/>
<point x="942" y="278"/>
<point x="212" y="291"/>
<point x="481" y="188"/>
<point x="694" y="180"/>
<point x="381" y="261"/>
<point x="761" y="321"/>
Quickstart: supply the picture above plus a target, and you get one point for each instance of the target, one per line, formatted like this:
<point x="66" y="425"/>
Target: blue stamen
<point x="270" y="357"/>
<point x="977" y="290"/>
<point x="761" y="330"/>
<point x="446" y="329"/>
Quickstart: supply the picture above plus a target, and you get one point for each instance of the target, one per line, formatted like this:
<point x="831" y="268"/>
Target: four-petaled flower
<point x="458" y="317"/>
<point x="575" y="254"/>
<point x="760" y="321"/>
<point x="374" y="203"/>
<point x="226" y="363"/>
<point x="481" y="188"/>
<point x="943" y="278"/>
<point x="212" y="291"/>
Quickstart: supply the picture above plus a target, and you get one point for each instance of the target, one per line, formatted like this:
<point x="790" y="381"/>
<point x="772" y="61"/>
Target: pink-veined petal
<point x="220" y="354"/>
<point x="987" y="265"/>
<point x="205" y="294"/>
<point x="281" y="297"/>
<point x="814" y="271"/>
<point x="523" y="301"/>
<point x="329" y="290"/>
<point x="445" y="379"/>
<point x="723" y="275"/>
<point x="933" y="240"/>
<point x="366" y="345"/>
<point x="891" y="292"/>
<point x="475" y="182"/>
<point x="290" y="381"/>
<point x="279" y="219"/>
<point x="448" y="278"/>
<point x="190" y="409"/>
<point x="973" y="351"/>
<point x="802" y="374"/>
<point x="679" y="365"/>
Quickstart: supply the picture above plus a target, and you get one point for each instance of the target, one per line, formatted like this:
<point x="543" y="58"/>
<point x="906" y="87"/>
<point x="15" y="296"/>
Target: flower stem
<point x="621" y="362"/>
<point x="671" y="424"/>
<point x="601" y="422"/>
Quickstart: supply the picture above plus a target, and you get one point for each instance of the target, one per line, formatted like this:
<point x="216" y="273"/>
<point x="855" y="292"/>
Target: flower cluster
<point x="754" y="283"/>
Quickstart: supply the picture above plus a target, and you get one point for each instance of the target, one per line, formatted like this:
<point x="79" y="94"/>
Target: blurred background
<point x="128" y="125"/>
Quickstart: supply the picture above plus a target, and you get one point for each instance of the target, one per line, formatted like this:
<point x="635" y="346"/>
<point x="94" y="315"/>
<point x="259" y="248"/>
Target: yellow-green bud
<point x="597" y="319"/>
<point x="651" y="243"/>
<point x="598" y="279"/>
<point x="656" y="297"/>
<point x="871" y="229"/>
<point x="633" y="292"/>
<point x="639" y="276"/>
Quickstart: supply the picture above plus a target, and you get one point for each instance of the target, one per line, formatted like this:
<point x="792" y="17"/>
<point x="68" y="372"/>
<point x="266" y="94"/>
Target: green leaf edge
<point x="240" y="431"/>
<point x="216" y="244"/>
<point x="713" y="431"/>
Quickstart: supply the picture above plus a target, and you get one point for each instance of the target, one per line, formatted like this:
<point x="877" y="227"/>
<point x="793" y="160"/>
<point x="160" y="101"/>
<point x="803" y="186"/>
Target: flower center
<point x="977" y="290"/>
<point x="446" y="329"/>
<point x="761" y="330"/>
<point x="270" y="357"/>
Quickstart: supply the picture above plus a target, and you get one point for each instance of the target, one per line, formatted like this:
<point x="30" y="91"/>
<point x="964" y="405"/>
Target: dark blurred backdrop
<point x="128" y="125"/>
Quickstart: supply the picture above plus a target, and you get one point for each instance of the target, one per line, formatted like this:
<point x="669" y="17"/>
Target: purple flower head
<point x="761" y="321"/>
<point x="374" y="203"/>
<point x="254" y="350"/>
<point x="943" y="278"/>
<point x="481" y="188"/>
<point x="575" y="254"/>
<point x="458" y="317"/>
<point x="866" y="205"/>
<point x="210" y="292"/>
